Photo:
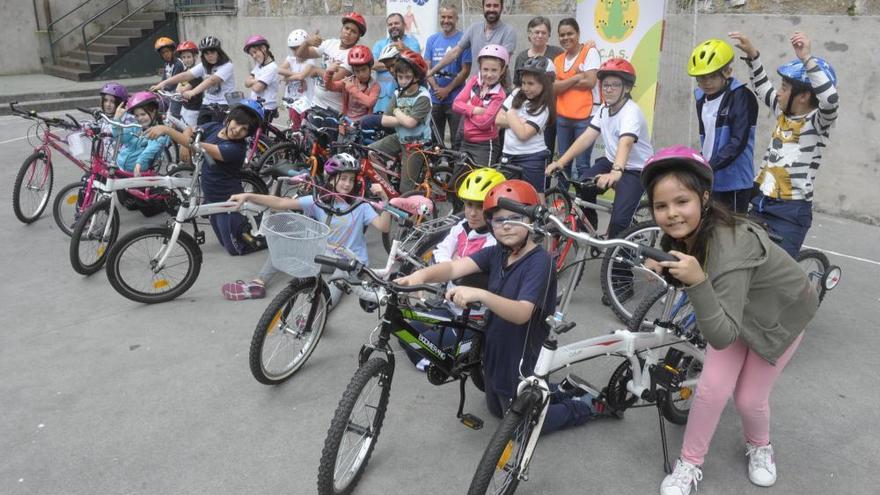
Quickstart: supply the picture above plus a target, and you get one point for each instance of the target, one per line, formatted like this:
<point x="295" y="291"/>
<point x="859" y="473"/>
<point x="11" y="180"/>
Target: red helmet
<point x="414" y="60"/>
<point x="360" y="55"/>
<point x="680" y="157"/>
<point x="515" y="189"/>
<point x="617" y="67"/>
<point x="187" y="46"/>
<point x="358" y="20"/>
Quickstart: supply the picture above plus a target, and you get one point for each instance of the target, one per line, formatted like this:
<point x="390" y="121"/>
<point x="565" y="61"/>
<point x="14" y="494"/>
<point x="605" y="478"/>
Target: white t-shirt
<point x="709" y="116"/>
<point x="306" y="88"/>
<point x="330" y="51"/>
<point x="268" y="75"/>
<point x="535" y="144"/>
<point x="216" y="94"/>
<point x="629" y="120"/>
<point x="592" y="62"/>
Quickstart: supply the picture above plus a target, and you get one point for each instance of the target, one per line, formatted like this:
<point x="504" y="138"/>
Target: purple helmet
<point x="254" y="40"/>
<point x="115" y="90"/>
<point x="678" y="156"/>
<point x="142" y="98"/>
<point x="341" y="162"/>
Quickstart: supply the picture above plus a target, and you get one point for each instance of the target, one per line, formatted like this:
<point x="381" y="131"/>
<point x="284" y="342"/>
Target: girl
<point x="263" y="79"/>
<point x="188" y="53"/>
<point x="751" y="299"/>
<point x="359" y="90"/>
<point x="525" y="114"/>
<point x="479" y="102"/>
<point x="139" y="152"/>
<point x="297" y="72"/>
<point x="219" y="79"/>
<point x="347" y="231"/>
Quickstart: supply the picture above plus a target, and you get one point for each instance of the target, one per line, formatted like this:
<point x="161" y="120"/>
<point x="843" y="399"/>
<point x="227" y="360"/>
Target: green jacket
<point x="755" y="292"/>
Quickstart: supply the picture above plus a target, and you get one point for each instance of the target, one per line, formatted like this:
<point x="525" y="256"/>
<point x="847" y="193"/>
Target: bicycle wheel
<point x="251" y="183"/>
<point x="424" y="252"/>
<point x="653" y="309"/>
<point x="677" y="404"/>
<point x="815" y="264"/>
<point x="444" y="191"/>
<point x="284" y="151"/>
<point x="288" y="331"/>
<point x="499" y="470"/>
<point x="355" y="428"/>
<point x="67" y="206"/>
<point x="132" y="261"/>
<point x="625" y="282"/>
<point x="398" y="231"/>
<point x="33" y="186"/>
<point x="558" y="203"/>
<point x="88" y="244"/>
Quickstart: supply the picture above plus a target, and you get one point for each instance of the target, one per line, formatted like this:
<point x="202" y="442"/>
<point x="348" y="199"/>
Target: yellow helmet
<point x="478" y="182"/>
<point x="709" y="56"/>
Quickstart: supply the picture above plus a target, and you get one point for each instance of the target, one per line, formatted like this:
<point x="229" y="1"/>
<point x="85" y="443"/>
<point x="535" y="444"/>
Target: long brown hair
<point x="545" y="100"/>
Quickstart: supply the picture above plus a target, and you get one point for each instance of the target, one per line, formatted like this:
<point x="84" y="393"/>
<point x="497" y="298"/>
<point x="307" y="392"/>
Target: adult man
<point x="396" y="35"/>
<point x="334" y="58"/>
<point x="444" y="89"/>
<point x="489" y="31"/>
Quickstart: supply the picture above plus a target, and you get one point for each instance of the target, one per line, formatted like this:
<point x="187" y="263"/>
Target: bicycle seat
<point x="284" y="169"/>
<point x="414" y="205"/>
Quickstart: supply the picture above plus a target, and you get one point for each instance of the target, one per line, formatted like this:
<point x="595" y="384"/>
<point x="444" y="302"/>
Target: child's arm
<point x="212" y="80"/>
<point x="462" y="103"/>
<point x="148" y="155"/>
<point x="586" y="139"/>
<point x="516" y="312"/>
<point x="420" y="110"/>
<point x="486" y="119"/>
<point x="441" y="272"/>
<point x="624" y="146"/>
<point x="366" y="98"/>
<point x="177" y="78"/>
<point x="382" y="223"/>
<point x="520" y="127"/>
<point x="284" y="68"/>
<point x="332" y="84"/>
<point x="822" y="86"/>
<point x="267" y="200"/>
<point x="184" y="139"/>
<point x="757" y="75"/>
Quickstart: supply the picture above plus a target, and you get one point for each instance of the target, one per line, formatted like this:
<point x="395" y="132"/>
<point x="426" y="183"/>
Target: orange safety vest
<point x="573" y="103"/>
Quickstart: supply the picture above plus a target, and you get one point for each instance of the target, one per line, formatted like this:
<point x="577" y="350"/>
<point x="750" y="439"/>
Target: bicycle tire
<point x="397" y="231"/>
<point x="443" y="178"/>
<point x="672" y="407"/>
<point x="558" y="202"/>
<point x="515" y="430"/>
<point x="815" y="264"/>
<point x="89" y="228"/>
<point x="424" y="251"/>
<point x="68" y="198"/>
<point x="29" y="171"/>
<point x="118" y="265"/>
<point x="282" y="320"/>
<point x="619" y="289"/>
<point x="341" y="424"/>
<point x="284" y="150"/>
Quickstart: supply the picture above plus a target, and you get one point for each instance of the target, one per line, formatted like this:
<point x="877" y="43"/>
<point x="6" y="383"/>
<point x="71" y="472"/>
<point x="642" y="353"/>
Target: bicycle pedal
<point x="200" y="238"/>
<point x="471" y="421"/>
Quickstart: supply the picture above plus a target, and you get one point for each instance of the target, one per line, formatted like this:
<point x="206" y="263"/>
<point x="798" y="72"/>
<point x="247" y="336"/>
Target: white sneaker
<point x="762" y="468"/>
<point x="683" y="477"/>
<point x="421" y="365"/>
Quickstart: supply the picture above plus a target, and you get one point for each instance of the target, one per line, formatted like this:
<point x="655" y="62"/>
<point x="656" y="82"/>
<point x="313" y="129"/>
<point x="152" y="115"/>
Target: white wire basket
<point x="80" y="145"/>
<point x="294" y="240"/>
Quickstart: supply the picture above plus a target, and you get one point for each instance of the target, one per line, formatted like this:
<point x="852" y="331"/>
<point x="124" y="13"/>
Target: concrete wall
<point x="19" y="51"/>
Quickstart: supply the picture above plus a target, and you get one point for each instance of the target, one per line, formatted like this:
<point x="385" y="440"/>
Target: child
<point x="263" y="79"/>
<point x="298" y="73"/>
<point x="751" y="300"/>
<point x="359" y="90"/>
<point x="346" y="231"/>
<point x="409" y="112"/>
<point x="525" y="114"/>
<point x="225" y="146"/>
<point x="479" y="102"/>
<point x="624" y="132"/>
<point x="521" y="293"/>
<point x="171" y="66"/>
<point x="218" y="79"/>
<point x="805" y="107"/>
<point x="189" y="113"/>
<point x="728" y="112"/>
<point x="139" y="152"/>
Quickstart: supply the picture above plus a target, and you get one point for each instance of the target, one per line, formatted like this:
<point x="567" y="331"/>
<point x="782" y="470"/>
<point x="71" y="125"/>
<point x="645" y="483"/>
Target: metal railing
<point x="86" y="43"/>
<point x="205" y="6"/>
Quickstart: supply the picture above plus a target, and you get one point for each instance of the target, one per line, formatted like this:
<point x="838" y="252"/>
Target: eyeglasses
<point x="499" y="221"/>
<point x="612" y="85"/>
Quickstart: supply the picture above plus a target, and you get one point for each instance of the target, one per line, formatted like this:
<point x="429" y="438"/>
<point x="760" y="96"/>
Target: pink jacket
<point x="479" y="128"/>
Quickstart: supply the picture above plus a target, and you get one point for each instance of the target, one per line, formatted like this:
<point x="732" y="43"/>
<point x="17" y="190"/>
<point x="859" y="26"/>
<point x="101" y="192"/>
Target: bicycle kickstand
<point x="660" y="400"/>
<point x="467" y="419"/>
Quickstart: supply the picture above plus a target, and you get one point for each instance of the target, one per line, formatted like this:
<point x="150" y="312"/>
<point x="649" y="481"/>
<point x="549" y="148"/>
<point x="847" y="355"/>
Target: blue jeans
<point x="789" y="219"/>
<point x="627" y="194"/>
<point x="737" y="200"/>
<point x="567" y="131"/>
<point x="563" y="412"/>
<point x="533" y="166"/>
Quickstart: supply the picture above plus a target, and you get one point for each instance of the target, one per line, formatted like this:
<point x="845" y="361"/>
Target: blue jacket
<point x="137" y="148"/>
<point x="734" y="150"/>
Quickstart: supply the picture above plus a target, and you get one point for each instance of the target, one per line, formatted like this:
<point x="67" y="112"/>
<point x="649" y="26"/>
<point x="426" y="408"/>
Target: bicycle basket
<point x="80" y="145"/>
<point x="294" y="240"/>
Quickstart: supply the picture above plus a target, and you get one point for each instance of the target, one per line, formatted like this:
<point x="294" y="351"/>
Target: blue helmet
<point x="252" y="106"/>
<point x="795" y="72"/>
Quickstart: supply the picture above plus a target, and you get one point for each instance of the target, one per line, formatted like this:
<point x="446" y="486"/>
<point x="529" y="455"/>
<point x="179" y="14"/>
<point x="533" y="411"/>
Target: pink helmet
<point x="678" y="156"/>
<point x="142" y="98"/>
<point x="496" y="51"/>
<point x="115" y="90"/>
<point x="254" y="40"/>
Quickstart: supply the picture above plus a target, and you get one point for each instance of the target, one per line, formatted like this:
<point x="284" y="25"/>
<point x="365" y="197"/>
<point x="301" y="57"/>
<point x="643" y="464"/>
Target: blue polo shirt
<point x="435" y="48"/>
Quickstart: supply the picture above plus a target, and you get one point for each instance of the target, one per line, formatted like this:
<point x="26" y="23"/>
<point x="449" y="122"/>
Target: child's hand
<point x="552" y="168"/>
<point x="156" y="87"/>
<point x="240" y="198"/>
<point x="137" y="170"/>
<point x="378" y="191"/>
<point x="687" y="269"/>
<point x="314" y="39"/>
<point x="188" y="95"/>
<point x="743" y="43"/>
<point x="183" y="87"/>
<point x="653" y="265"/>
<point x="120" y="111"/>
<point x="479" y="111"/>
<point x="462" y="295"/>
<point x="801" y="44"/>
<point x="332" y="68"/>
<point x="410" y="280"/>
<point x="607" y="181"/>
<point x="156" y="132"/>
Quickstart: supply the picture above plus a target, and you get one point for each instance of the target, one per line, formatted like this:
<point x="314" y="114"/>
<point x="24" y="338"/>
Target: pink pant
<point x="739" y="371"/>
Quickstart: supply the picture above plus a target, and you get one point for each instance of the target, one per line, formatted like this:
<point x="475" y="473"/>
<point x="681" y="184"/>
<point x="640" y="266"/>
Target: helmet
<point x="163" y="42"/>
<point x="296" y="37"/>
<point x="115" y="90"/>
<point x="209" y="43"/>
<point x="140" y="99"/>
<point x="390" y="52"/>
<point x="255" y="40"/>
<point x="534" y="65"/>
<point x="617" y="67"/>
<point x="678" y="156"/>
<point x="360" y="55"/>
<point x="251" y="106"/>
<point x="187" y="46"/>
<point x="709" y="56"/>
<point x="341" y="162"/>
<point x="496" y="51"/>
<point x="357" y="19"/>
<point x="415" y="61"/>
<point x="515" y="189"/>
<point x="796" y="73"/>
<point x="478" y="182"/>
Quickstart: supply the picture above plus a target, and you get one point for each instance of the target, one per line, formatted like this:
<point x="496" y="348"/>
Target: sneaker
<point x="254" y="242"/>
<point x="762" y="468"/>
<point x="240" y="290"/>
<point x="598" y="408"/>
<point x="572" y="386"/>
<point x="683" y="477"/>
<point x="423" y="364"/>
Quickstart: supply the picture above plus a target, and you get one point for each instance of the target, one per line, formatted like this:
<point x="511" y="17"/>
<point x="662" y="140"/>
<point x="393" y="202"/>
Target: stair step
<point x="117" y="40"/>
<point x="96" y="58"/>
<point x="53" y="104"/>
<point x="104" y="48"/>
<point x="149" y="15"/>
<point x="126" y="31"/>
<point x="91" y="92"/>
<point x="79" y="65"/>
<point x="66" y="72"/>
<point x="143" y="25"/>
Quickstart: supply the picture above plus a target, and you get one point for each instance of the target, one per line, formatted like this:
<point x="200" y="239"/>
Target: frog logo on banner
<point x="615" y="20"/>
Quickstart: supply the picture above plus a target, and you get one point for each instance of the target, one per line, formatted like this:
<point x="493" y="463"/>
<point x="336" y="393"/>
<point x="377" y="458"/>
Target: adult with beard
<point x="396" y="36"/>
<point x="444" y="89"/>
<point x="334" y="58"/>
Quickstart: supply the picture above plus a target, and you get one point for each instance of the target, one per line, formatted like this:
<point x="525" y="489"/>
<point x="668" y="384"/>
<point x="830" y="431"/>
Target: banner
<point x="630" y="29"/>
<point x="419" y="17"/>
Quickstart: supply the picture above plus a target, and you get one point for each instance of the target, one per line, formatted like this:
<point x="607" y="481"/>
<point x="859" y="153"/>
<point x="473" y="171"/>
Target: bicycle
<point x="643" y="379"/>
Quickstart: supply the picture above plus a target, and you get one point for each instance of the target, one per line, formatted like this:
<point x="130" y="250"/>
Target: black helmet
<point x="209" y="43"/>
<point x="534" y="65"/>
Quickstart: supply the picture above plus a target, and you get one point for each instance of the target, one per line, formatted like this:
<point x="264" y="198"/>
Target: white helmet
<point x="296" y="37"/>
<point x="390" y="52"/>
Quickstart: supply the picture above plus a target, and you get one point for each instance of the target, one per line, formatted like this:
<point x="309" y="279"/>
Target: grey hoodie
<point x="755" y="292"/>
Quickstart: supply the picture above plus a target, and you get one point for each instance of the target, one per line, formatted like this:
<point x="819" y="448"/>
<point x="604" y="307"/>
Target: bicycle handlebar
<point x="170" y="95"/>
<point x="116" y="123"/>
<point x="349" y="266"/>
<point x="49" y="121"/>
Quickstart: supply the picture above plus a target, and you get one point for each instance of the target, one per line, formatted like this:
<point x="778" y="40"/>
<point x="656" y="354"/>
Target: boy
<point x="728" y="112"/>
<point x="359" y="91"/>
<point x="805" y="107"/>
<point x="170" y="66"/>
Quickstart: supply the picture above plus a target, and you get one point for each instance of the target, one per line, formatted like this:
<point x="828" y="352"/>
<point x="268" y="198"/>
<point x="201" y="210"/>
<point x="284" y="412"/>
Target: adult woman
<point x="539" y="38"/>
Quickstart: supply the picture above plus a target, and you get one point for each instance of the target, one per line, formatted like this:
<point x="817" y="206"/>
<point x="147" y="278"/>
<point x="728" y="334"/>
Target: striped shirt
<point x="789" y="167"/>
